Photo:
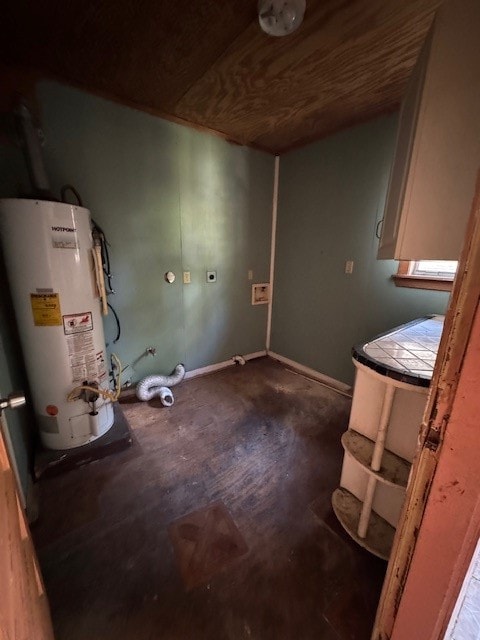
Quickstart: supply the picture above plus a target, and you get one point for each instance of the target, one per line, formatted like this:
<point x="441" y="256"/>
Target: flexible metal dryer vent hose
<point x="153" y="386"/>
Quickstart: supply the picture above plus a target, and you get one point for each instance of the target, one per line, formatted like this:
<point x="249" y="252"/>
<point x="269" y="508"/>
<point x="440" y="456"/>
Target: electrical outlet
<point x="211" y="276"/>
<point x="250" y="274"/>
<point x="186" y="277"/>
<point x="349" y="266"/>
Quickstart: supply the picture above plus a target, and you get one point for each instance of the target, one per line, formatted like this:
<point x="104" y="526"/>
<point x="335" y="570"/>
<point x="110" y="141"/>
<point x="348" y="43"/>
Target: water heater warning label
<point x="46" y="309"/>
<point x="77" y="323"/>
<point x="82" y="356"/>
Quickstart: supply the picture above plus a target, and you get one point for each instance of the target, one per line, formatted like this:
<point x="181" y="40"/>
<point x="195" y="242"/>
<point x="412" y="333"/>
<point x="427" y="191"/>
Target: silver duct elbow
<point x="158" y="386"/>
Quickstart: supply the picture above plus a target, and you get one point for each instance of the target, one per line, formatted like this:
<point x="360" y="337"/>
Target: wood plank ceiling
<point x="207" y="63"/>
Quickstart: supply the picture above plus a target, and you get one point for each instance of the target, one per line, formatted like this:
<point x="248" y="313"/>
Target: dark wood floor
<point x="262" y="443"/>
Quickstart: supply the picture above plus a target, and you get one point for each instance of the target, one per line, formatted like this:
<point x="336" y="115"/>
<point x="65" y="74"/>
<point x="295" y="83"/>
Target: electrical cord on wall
<point x="108" y="275"/>
<point x="70" y="187"/>
<point x="117" y="338"/>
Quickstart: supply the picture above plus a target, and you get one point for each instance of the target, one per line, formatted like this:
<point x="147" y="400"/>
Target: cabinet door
<point x="438" y="146"/>
<point x="446" y="152"/>
<point x="407" y="127"/>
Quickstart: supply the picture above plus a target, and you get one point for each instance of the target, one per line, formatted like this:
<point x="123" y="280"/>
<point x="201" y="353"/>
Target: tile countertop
<point x="406" y="353"/>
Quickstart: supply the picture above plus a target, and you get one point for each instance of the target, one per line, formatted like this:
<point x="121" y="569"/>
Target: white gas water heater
<point x="54" y="268"/>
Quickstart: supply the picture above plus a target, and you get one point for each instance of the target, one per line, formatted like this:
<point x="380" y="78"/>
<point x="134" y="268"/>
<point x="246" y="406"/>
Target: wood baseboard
<point x="332" y="383"/>
<point x="222" y="365"/>
<point x="211" y="368"/>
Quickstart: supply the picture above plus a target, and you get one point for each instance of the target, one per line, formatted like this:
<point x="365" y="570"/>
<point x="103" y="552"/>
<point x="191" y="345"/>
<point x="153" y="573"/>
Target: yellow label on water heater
<point x="46" y="309"/>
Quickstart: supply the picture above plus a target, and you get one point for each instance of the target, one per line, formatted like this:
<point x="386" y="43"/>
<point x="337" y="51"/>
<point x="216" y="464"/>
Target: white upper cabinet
<point x="437" y="155"/>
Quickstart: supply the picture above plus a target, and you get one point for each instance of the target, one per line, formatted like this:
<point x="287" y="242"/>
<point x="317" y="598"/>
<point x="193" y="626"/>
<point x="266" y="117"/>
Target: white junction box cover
<point x="261" y="293"/>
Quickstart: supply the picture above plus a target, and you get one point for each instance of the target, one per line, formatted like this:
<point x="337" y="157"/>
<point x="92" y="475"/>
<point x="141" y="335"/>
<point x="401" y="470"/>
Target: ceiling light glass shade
<point x="280" y="17"/>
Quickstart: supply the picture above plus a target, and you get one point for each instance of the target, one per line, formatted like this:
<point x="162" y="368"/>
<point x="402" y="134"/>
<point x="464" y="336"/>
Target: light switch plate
<point x="186" y="277"/>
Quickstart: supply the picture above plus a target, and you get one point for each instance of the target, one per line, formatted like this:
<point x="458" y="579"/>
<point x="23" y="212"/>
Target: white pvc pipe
<point x="272" y="250"/>
<point x="367" y="507"/>
<point x="376" y="460"/>
<point x="383" y="428"/>
<point x="93" y="420"/>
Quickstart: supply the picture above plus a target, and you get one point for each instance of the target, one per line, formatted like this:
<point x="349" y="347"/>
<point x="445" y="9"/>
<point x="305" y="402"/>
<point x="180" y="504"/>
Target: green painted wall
<point x="168" y="198"/>
<point x="331" y="196"/>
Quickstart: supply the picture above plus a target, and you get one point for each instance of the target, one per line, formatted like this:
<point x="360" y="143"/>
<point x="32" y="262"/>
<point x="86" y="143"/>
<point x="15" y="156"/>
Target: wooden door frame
<point x="459" y="321"/>
<point x="24" y="609"/>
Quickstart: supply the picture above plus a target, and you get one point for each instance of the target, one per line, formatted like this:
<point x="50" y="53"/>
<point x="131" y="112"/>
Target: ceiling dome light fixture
<point x="280" y="17"/>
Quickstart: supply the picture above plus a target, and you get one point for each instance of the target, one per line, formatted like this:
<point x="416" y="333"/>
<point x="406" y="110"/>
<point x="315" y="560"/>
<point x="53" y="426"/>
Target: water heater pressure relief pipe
<point x="99" y="277"/>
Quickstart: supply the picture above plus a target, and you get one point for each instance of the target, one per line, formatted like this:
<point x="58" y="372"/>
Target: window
<point x="426" y="274"/>
<point x="444" y="269"/>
